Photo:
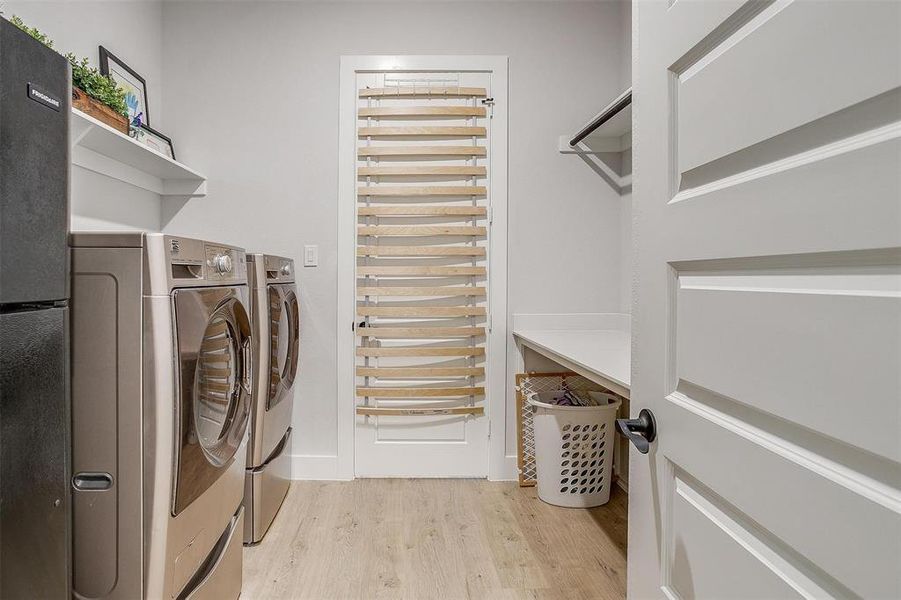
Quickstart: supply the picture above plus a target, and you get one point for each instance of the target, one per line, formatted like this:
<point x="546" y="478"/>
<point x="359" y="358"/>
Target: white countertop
<point x="602" y="355"/>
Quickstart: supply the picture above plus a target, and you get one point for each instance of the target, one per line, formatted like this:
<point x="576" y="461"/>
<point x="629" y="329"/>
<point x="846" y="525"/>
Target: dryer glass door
<point x="284" y="328"/>
<point x="213" y="335"/>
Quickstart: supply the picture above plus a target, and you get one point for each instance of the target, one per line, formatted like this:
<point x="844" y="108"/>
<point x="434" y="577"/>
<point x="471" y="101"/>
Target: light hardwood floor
<point x="420" y="539"/>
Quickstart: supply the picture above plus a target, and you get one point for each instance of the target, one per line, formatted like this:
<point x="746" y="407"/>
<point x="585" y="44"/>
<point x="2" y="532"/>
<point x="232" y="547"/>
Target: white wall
<point x="625" y="65"/>
<point x="252" y="101"/>
<point x="131" y="31"/>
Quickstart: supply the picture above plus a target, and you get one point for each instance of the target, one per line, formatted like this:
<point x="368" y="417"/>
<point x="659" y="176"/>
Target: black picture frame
<point x="166" y="139"/>
<point x="105" y="58"/>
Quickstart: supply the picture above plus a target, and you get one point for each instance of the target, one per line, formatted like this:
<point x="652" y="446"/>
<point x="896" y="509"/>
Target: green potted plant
<point x="97" y="95"/>
<point x="93" y="93"/>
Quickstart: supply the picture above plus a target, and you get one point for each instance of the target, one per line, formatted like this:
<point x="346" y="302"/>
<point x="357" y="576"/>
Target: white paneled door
<point x="424" y="151"/>
<point x="767" y="315"/>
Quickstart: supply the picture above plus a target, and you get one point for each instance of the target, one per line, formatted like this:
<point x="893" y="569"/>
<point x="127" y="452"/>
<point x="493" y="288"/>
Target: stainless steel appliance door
<point x="214" y="360"/>
<point x="284" y="330"/>
<point x="34" y="454"/>
<point x="34" y="169"/>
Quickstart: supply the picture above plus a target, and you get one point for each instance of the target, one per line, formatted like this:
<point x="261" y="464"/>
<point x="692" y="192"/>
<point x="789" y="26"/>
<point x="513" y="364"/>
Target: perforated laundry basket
<point x="574" y="449"/>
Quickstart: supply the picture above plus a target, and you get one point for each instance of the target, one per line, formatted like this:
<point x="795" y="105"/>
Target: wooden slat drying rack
<point x="432" y="335"/>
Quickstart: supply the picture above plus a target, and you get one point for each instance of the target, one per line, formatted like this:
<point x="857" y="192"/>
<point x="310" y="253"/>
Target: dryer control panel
<point x="279" y="269"/>
<point x="267" y="269"/>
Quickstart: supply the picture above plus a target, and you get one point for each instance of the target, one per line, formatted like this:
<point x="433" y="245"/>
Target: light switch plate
<point x="311" y="256"/>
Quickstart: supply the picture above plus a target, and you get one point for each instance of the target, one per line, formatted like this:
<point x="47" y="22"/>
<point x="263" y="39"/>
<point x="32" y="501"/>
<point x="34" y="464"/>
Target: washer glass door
<point x="213" y="338"/>
<point x="217" y="384"/>
<point x="284" y="343"/>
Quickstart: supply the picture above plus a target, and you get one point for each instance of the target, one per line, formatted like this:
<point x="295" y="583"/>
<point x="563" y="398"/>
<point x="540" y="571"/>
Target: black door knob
<point x="641" y="431"/>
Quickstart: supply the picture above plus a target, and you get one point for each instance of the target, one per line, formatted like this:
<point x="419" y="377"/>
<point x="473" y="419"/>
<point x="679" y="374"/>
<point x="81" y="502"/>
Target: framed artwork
<point x="128" y="79"/>
<point x="156" y="140"/>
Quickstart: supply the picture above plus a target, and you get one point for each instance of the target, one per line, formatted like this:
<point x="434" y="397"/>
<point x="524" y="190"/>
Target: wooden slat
<point x="423" y="271"/>
<point x="421" y="230"/>
<point x="422" y="190"/>
<point x="373" y="411"/>
<point x="420" y="251"/>
<point x="421" y="311"/>
<point x="419" y="392"/>
<point x="420" y="332"/>
<point x="421" y="210"/>
<point x="423" y="111"/>
<point x="421" y="291"/>
<point x="416" y="92"/>
<point x="420" y="371"/>
<point x="411" y="351"/>
<point x="422" y="151"/>
<point x="433" y="130"/>
<point x="407" y="170"/>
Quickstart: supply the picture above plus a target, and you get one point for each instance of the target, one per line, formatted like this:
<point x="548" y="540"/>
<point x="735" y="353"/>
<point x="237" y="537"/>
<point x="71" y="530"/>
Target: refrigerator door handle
<point x="92" y="481"/>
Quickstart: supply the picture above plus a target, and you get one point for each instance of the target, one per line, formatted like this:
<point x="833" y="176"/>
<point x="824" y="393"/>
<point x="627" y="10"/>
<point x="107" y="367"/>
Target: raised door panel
<point x="795" y="347"/>
<point x="780" y="70"/>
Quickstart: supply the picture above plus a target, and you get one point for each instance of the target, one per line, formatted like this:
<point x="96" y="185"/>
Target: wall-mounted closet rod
<point x="624" y="100"/>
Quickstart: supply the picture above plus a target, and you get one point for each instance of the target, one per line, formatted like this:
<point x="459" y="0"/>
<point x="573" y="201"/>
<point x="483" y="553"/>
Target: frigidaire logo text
<point x="43" y="98"/>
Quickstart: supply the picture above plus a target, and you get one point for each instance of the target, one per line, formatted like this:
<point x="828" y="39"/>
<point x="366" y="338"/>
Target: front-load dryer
<point x="275" y="314"/>
<point x="161" y="380"/>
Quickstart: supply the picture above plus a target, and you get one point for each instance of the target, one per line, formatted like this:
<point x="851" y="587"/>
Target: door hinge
<point x="489" y="430"/>
<point x="488" y="324"/>
<point x="490" y="215"/>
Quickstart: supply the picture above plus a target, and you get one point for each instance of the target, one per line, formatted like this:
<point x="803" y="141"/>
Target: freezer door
<point x="35" y="95"/>
<point x="34" y="454"/>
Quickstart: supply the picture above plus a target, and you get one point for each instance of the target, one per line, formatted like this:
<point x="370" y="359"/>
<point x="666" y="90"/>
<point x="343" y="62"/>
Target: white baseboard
<point x="509" y="471"/>
<point x="315" y="467"/>
<point x="325" y="468"/>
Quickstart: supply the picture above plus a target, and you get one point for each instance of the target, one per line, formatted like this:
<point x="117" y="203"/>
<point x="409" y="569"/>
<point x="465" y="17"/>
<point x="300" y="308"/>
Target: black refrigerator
<point x="35" y="92"/>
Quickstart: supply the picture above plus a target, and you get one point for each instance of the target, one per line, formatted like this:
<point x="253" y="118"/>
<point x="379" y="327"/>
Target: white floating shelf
<point x="99" y="148"/>
<point x="603" y="356"/>
<point x="612" y="134"/>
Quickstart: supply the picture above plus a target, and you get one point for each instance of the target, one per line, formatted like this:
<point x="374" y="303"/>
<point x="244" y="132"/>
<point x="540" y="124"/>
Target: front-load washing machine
<point x="275" y="315"/>
<point x="161" y="378"/>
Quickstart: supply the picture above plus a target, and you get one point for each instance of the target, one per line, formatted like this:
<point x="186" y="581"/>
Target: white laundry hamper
<point x="574" y="449"/>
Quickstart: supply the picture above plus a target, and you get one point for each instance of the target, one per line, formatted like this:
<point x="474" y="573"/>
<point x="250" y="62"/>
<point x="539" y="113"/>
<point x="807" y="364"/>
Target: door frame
<point x="496" y="343"/>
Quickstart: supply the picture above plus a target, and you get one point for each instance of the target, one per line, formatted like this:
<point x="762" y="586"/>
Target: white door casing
<point x="417" y="445"/>
<point x="767" y="308"/>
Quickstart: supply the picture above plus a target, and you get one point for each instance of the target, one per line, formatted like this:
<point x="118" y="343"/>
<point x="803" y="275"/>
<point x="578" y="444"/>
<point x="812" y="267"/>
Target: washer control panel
<point x="191" y="262"/>
<point x="223" y="263"/>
